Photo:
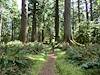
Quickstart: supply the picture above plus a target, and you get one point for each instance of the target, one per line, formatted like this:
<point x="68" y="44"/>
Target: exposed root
<point x="73" y="42"/>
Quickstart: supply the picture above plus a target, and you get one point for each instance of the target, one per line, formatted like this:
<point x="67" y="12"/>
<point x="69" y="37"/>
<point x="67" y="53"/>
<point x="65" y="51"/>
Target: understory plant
<point x="17" y="58"/>
<point x="86" y="33"/>
<point x="66" y="68"/>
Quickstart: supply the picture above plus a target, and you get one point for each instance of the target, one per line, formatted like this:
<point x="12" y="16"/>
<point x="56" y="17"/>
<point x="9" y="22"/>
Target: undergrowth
<point x="22" y="59"/>
<point x="65" y="68"/>
<point x="77" y="60"/>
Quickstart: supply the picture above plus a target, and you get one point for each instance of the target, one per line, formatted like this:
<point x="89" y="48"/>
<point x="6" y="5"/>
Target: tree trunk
<point x="57" y="20"/>
<point x="91" y="11"/>
<point x="79" y="11"/>
<point x="42" y="35"/>
<point x="87" y="14"/>
<point x="0" y="21"/>
<point x="39" y="36"/>
<point x="24" y="18"/>
<point x="73" y="16"/>
<point x="67" y="22"/>
<point x="0" y="26"/>
<point x="33" y="37"/>
<point x="12" y="36"/>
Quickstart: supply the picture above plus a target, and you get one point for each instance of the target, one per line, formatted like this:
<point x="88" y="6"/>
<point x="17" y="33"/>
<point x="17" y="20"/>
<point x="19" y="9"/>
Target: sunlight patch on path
<point x="36" y="57"/>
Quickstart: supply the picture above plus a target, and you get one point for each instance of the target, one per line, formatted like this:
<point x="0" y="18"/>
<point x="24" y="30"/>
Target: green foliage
<point x="82" y="33"/>
<point x="14" y="64"/>
<point x="13" y="47"/>
<point x="35" y="47"/>
<point x="18" y="59"/>
<point x="65" y="68"/>
<point x="87" y="32"/>
<point x="79" y="60"/>
<point x="10" y="20"/>
<point x="95" y="35"/>
<point x="87" y="57"/>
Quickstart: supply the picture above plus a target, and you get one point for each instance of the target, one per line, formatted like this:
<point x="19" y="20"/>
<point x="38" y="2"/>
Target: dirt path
<point x="49" y="66"/>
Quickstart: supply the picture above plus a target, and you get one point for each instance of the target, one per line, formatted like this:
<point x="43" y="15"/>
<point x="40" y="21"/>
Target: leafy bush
<point x="82" y="33"/>
<point x="14" y="66"/>
<point x="79" y="60"/>
<point x="17" y="59"/>
<point x="88" y="58"/>
<point x="65" y="68"/>
<point x="87" y="33"/>
<point x="95" y="35"/>
<point x="37" y="47"/>
<point x="13" y="47"/>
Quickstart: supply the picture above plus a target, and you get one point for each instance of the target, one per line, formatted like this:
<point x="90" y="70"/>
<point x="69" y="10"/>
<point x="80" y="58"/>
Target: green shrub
<point x="79" y="60"/>
<point x="37" y="47"/>
<point x="34" y="47"/>
<point x="12" y="60"/>
<point x="17" y="58"/>
<point x="13" y="47"/>
<point x="14" y="66"/>
<point x="95" y="35"/>
<point x="65" y="68"/>
<point x="87" y="56"/>
<point x="82" y="33"/>
<point x="87" y="33"/>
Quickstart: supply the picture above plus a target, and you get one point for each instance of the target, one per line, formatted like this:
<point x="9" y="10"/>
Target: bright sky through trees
<point x="19" y="4"/>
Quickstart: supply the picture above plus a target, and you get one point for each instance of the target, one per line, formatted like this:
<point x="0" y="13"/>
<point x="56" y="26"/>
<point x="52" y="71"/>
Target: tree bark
<point x="0" y="26"/>
<point x="73" y="16"/>
<point x="0" y="21"/>
<point x="67" y="22"/>
<point x="79" y="11"/>
<point x="42" y="35"/>
<point x="57" y="20"/>
<point x="24" y="18"/>
<point x="87" y="14"/>
<point x="33" y="37"/>
<point x="91" y="11"/>
<point x="12" y="36"/>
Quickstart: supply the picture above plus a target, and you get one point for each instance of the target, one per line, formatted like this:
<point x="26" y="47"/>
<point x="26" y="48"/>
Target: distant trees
<point x="24" y="23"/>
<point x="45" y="19"/>
<point x="15" y="20"/>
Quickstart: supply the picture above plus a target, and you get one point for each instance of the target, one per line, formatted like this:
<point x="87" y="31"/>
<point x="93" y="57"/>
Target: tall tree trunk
<point x="57" y="20"/>
<point x="42" y="35"/>
<point x="24" y="18"/>
<point x="87" y="14"/>
<point x="33" y="37"/>
<point x="12" y="36"/>
<point x="79" y="11"/>
<point x="73" y="20"/>
<point x="67" y="22"/>
<point x="39" y="36"/>
<point x="0" y="26"/>
<point x="91" y="11"/>
<point x="0" y="21"/>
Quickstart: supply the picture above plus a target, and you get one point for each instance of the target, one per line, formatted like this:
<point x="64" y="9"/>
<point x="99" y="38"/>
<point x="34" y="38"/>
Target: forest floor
<point x="49" y="66"/>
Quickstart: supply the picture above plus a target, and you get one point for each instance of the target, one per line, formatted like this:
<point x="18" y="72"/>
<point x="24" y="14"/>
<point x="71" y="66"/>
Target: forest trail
<point x="49" y="65"/>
